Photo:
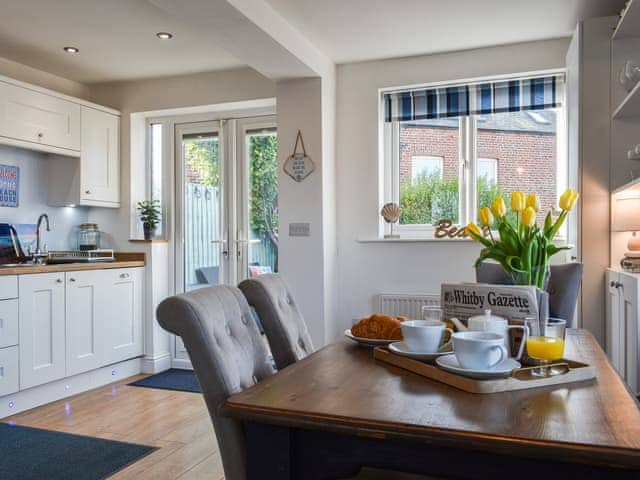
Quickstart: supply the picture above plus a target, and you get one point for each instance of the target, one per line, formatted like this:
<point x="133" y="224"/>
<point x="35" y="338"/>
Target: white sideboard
<point x="81" y="137"/>
<point x="622" y="321"/>
<point x="59" y="325"/>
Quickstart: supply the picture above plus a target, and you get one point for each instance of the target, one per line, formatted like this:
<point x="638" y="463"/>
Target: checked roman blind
<point x="510" y="95"/>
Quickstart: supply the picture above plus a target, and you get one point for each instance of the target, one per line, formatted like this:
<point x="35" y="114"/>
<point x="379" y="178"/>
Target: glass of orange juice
<point x="547" y="348"/>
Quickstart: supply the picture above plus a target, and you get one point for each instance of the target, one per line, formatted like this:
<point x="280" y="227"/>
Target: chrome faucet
<point x="41" y="252"/>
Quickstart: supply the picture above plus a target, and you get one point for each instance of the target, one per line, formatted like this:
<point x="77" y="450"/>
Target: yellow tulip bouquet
<point x="523" y="248"/>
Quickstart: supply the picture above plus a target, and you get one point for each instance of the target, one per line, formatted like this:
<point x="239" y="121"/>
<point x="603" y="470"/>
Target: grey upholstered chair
<point x="227" y="354"/>
<point x="281" y="319"/>
<point x="563" y="287"/>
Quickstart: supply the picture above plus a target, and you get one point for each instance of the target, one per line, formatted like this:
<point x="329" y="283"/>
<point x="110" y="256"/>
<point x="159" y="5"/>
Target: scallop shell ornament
<point x="391" y="213"/>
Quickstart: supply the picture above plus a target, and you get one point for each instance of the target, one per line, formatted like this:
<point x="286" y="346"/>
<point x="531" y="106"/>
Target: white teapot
<point x="499" y="325"/>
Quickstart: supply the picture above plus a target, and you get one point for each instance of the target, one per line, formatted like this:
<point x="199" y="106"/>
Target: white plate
<point x="503" y="369"/>
<point x="400" y="348"/>
<point x="366" y="342"/>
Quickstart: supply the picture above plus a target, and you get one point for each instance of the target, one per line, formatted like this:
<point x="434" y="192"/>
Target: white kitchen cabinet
<point x="42" y="328"/>
<point x="42" y="120"/>
<point x="100" y="157"/>
<point x="94" y="178"/>
<point x="9" y="370"/>
<point x="9" y="322"/>
<point x="8" y="287"/>
<point x="622" y="320"/>
<point x="124" y="329"/>
<point x="85" y="316"/>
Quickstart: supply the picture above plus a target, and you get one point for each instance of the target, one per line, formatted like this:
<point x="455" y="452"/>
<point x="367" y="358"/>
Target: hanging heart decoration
<point x="299" y="165"/>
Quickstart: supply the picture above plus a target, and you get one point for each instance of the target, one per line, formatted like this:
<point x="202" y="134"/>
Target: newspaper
<point x="464" y="300"/>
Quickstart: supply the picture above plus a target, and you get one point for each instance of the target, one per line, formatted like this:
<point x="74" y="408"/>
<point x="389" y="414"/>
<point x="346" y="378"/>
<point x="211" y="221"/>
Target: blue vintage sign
<point x="9" y="185"/>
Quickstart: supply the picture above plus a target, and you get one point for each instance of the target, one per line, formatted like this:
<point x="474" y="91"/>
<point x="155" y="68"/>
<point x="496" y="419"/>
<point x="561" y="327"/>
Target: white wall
<point x="33" y="199"/>
<point x="160" y="94"/>
<point x="366" y="269"/>
<point x="43" y="79"/>
<point x="301" y="259"/>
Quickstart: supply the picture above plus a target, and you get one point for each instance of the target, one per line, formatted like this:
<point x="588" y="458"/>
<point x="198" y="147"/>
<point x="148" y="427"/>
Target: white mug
<point x="424" y="336"/>
<point x="479" y="350"/>
<point x="499" y="325"/>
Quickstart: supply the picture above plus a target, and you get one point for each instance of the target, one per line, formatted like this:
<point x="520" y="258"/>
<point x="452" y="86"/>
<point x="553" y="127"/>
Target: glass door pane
<point x="261" y="154"/>
<point x="204" y="242"/>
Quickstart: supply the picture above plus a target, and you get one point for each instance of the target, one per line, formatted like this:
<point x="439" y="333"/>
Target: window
<point x="425" y="167"/>
<point x="156" y="161"/>
<point x="156" y="167"/>
<point x="450" y="150"/>
<point x="488" y="170"/>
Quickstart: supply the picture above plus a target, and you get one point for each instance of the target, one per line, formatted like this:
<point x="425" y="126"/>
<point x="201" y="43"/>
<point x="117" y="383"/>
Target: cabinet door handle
<point x="124" y="275"/>
<point x="88" y="192"/>
<point x="72" y="279"/>
<point x="58" y="280"/>
<point x="40" y="134"/>
<point x="612" y="284"/>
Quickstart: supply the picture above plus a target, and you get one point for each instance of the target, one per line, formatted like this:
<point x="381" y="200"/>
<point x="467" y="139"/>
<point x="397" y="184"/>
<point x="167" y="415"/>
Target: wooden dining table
<point x="339" y="409"/>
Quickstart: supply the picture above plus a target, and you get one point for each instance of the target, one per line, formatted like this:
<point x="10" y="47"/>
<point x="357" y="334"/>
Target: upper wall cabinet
<point x="81" y="137"/>
<point x="625" y="98"/>
<point x="100" y="159"/>
<point x="36" y="120"/>
<point x="94" y="179"/>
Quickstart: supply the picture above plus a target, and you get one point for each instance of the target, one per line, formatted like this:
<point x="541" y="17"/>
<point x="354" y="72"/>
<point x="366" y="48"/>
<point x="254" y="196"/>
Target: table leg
<point x="268" y="451"/>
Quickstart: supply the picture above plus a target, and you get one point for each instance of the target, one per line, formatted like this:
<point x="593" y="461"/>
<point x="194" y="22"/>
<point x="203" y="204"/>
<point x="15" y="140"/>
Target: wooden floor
<point x="177" y="422"/>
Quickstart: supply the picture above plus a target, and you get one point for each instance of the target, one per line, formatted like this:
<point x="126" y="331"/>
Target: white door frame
<point x="234" y="206"/>
<point x="179" y="357"/>
<point x="241" y="241"/>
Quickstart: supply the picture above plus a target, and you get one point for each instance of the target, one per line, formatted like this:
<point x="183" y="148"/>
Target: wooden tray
<point x="577" y="372"/>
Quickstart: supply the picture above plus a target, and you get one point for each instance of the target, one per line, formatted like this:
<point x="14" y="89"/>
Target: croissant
<point x="378" y="326"/>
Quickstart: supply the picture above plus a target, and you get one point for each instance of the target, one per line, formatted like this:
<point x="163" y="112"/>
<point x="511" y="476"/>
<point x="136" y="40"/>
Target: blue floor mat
<point x="173" y="379"/>
<point x="35" y="454"/>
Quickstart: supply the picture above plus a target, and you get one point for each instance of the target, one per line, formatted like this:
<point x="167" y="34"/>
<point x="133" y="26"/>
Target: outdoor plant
<point x="149" y="216"/>
<point x="523" y="248"/>
<point x="429" y="198"/>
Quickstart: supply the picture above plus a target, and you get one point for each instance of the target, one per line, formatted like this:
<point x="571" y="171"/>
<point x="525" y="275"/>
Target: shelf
<point x="414" y="240"/>
<point x="153" y="240"/>
<point x="630" y="106"/>
<point x="629" y="24"/>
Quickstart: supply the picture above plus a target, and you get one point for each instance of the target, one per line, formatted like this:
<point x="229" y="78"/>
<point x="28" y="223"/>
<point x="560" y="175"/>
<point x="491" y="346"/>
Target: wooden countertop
<point x="123" y="260"/>
<point x="341" y="388"/>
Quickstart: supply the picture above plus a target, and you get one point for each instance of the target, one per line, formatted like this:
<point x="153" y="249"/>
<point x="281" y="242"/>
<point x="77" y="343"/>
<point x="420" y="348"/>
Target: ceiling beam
<point x="253" y="32"/>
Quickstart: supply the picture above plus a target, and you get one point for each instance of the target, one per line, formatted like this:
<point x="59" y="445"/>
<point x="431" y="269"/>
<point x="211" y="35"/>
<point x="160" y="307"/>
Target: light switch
<point x="299" y="229"/>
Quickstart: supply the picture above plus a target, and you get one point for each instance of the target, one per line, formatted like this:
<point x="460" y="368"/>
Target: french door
<point x="226" y="222"/>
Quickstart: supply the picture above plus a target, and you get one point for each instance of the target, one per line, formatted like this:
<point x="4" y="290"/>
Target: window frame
<point x="389" y="160"/>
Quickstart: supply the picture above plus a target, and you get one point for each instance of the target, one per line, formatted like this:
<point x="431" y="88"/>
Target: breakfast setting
<point x="501" y="333"/>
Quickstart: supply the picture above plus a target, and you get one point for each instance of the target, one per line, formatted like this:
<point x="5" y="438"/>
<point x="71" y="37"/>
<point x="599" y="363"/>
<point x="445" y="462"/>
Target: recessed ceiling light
<point x="71" y="49"/>
<point x="164" y="35"/>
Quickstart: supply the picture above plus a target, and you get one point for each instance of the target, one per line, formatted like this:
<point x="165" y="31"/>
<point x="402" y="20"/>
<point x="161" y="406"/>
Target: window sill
<point x="153" y="240"/>
<point x="414" y="240"/>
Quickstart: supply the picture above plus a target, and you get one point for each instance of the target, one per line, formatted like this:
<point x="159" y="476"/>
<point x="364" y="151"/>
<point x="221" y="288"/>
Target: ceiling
<point x="117" y="38"/>
<point x="357" y="30"/>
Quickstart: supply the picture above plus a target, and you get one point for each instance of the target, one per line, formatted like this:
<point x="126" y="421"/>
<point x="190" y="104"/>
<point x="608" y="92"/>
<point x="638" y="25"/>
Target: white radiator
<point x="406" y="305"/>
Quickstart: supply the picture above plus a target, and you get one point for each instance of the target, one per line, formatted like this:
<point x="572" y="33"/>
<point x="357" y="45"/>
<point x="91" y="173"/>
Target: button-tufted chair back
<point x="282" y="321"/>
<point x="227" y="354"/>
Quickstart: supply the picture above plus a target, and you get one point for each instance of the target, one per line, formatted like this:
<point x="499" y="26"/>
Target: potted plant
<point x="150" y="216"/>
<point x="523" y="248"/>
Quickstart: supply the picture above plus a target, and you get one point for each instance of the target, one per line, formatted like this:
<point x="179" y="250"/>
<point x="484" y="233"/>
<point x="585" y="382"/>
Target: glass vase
<point x="532" y="277"/>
